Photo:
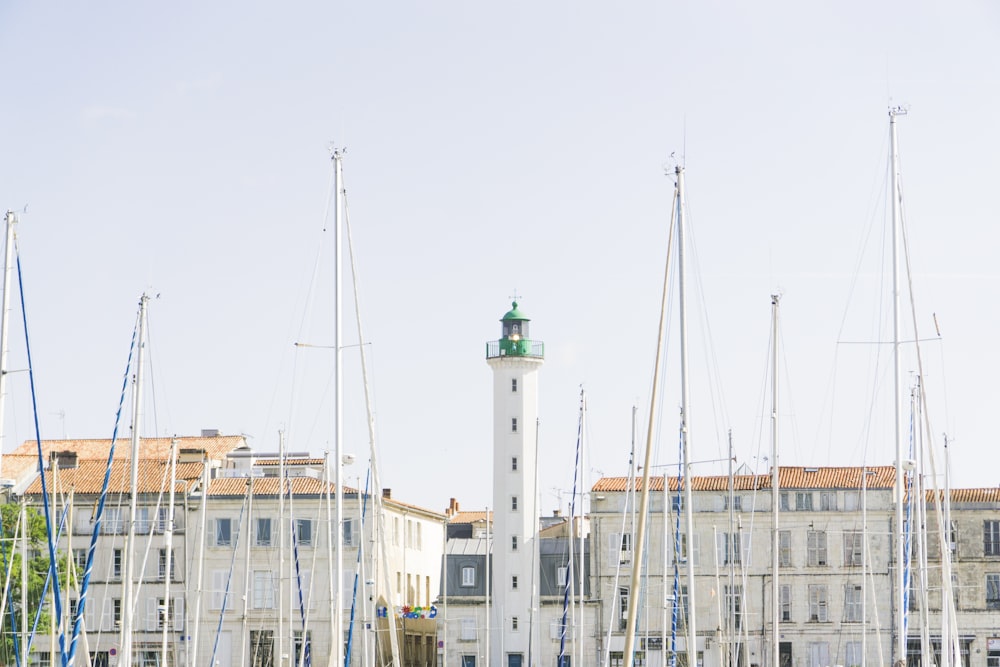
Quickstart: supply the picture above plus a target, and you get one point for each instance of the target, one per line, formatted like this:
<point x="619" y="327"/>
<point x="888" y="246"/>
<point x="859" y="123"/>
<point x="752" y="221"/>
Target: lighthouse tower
<point x="515" y="360"/>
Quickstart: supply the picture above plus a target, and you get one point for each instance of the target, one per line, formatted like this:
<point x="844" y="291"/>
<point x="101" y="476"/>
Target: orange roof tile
<point x="88" y="477"/>
<point x="149" y="448"/>
<point x="790" y="477"/>
<point x="468" y="517"/>
<point x="268" y="486"/>
<point x="985" y="495"/>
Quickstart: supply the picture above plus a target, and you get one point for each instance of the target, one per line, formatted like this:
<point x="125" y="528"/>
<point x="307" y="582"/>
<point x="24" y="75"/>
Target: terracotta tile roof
<point x="468" y="517"/>
<point x="790" y="477"/>
<point x="289" y="462"/>
<point x="987" y="495"/>
<point x="149" y="448"/>
<point x="88" y="477"/>
<point x="17" y="467"/>
<point x="268" y="486"/>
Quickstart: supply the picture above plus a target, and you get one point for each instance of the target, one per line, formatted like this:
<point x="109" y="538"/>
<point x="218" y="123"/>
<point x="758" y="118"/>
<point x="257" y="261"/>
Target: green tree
<point x="37" y="570"/>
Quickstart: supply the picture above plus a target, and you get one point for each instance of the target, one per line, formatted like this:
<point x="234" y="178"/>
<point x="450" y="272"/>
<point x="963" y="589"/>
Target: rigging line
<point x="357" y="572"/>
<point x="229" y="577"/>
<point x="41" y="458"/>
<point x="572" y="513"/>
<point x="373" y="457"/>
<point x="45" y="587"/>
<point x="98" y="515"/>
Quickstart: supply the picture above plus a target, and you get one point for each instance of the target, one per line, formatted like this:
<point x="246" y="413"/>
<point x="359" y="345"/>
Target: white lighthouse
<point x="515" y="360"/>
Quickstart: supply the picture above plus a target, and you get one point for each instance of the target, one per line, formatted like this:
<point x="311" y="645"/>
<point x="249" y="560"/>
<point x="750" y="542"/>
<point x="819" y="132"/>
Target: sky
<point x="183" y="151"/>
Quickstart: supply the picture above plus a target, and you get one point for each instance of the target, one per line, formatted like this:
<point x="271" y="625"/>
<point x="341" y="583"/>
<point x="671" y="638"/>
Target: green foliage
<point x="11" y="559"/>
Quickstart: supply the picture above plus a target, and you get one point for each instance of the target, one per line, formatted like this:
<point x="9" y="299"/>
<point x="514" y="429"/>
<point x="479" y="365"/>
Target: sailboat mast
<point x="775" y="490"/>
<point x="128" y="604"/>
<point x="692" y="647"/>
<point x="338" y="626"/>
<point x="168" y="547"/>
<point x="8" y="269"/>
<point x="900" y="623"/>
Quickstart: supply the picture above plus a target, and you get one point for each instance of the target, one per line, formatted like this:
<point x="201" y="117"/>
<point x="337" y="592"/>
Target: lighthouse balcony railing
<point x="506" y="347"/>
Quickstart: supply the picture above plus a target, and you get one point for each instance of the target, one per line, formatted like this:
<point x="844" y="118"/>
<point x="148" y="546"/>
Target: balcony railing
<point x="507" y="347"/>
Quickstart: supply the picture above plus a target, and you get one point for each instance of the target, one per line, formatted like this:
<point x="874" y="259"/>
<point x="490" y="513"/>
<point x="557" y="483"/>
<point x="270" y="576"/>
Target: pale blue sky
<point x="183" y="149"/>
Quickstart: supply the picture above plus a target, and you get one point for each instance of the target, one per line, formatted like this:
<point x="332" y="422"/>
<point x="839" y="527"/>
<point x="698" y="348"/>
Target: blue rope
<point x="306" y="648"/>
<point x="229" y="579"/>
<point x="676" y="607"/>
<point x="41" y="461"/>
<point x="357" y="572"/>
<point x="45" y="588"/>
<point x="88" y="568"/>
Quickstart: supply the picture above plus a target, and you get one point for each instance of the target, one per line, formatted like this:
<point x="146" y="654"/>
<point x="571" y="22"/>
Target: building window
<point x="468" y="630"/>
<point x="734" y="601"/>
<point x="262" y="648"/>
<point x="513" y="503"/>
<point x="162" y="519"/>
<point x="991" y="538"/>
<point x="513" y="623"/>
<point x="80" y="560"/>
<point x="116" y="563"/>
<point x="262" y="532"/>
<point x="853" y="548"/>
<point x="817" y="603"/>
<point x="223" y="532"/>
<point x="161" y="571"/>
<point x="625" y="549"/>
<point x="683" y="609"/>
<point x="513" y="542"/>
<point x="303" y="532"/>
<point x="301" y="651"/>
<point x="784" y="504"/>
<point x="113" y="521"/>
<point x="162" y="611"/>
<point x="263" y="589"/>
<point x="852" y="603"/>
<point x="851" y="502"/>
<point x="786" y="602"/>
<point x="819" y="654"/>
<point x="513" y="424"/>
<point x="513" y="464"/>
<point x="803" y="501"/>
<point x="639" y="659"/>
<point x="513" y="385"/>
<point x="816" y="548"/>
<point x="828" y="501"/>
<point x="142" y="522"/>
<point x="513" y="582"/>
<point x="737" y="503"/>
<point x="562" y="573"/>
<point x="468" y="661"/>
<point x="116" y="612"/>
<point x="348" y="532"/>
<point x="468" y="576"/>
<point x="853" y="654"/>
<point x="563" y="661"/>
<point x="622" y="608"/>
<point x="993" y="591"/>
<point x="677" y="503"/>
<point x="728" y="548"/>
<point x="784" y="548"/>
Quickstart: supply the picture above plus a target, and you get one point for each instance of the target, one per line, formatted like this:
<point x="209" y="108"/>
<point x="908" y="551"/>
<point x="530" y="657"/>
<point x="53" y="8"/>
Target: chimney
<point x="556" y="513"/>
<point x="452" y="508"/>
<point x="387" y="494"/>
<point x="210" y="433"/>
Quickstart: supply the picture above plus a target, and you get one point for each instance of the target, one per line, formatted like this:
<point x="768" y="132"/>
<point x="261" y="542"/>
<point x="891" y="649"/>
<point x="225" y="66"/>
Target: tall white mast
<point x="900" y="539"/>
<point x="168" y="545"/>
<point x="200" y="560"/>
<point x="692" y="646"/>
<point x="775" y="491"/>
<point x="128" y="603"/>
<point x="338" y="611"/>
<point x="8" y="269"/>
